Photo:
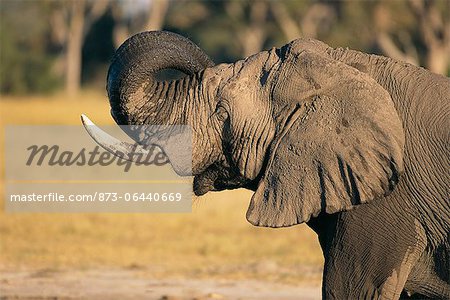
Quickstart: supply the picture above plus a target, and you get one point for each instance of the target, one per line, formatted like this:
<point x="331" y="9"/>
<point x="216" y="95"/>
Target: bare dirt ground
<point x="128" y="284"/>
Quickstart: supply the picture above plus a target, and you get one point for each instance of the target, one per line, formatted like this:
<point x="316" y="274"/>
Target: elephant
<point x="355" y="145"/>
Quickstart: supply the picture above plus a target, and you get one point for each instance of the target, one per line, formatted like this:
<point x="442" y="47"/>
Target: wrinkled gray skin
<point x="315" y="132"/>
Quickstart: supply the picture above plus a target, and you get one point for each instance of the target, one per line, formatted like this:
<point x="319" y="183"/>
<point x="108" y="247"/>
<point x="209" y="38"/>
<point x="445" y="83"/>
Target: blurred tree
<point x="385" y="36"/>
<point x="25" y="57"/>
<point x="74" y="18"/>
<point x="309" y="19"/>
<point x="63" y="39"/>
<point x="228" y="30"/>
<point x="421" y="39"/>
<point x="156" y="15"/>
<point x="148" y="15"/>
<point x="74" y="44"/>
<point x="415" y="31"/>
<point x="208" y="25"/>
<point x="248" y="21"/>
<point x="98" y="48"/>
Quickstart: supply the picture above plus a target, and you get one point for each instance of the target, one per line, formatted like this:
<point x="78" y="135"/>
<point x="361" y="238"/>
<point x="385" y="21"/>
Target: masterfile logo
<point x="61" y="169"/>
<point x="54" y="155"/>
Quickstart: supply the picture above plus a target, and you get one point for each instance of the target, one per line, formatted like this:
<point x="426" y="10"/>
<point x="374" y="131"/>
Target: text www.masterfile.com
<point x="97" y="196"/>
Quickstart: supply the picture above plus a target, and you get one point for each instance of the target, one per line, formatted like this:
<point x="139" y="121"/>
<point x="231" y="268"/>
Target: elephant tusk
<point x="124" y="150"/>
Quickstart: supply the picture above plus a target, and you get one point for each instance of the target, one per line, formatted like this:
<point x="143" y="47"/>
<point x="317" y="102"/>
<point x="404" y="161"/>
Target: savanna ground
<point x="211" y="253"/>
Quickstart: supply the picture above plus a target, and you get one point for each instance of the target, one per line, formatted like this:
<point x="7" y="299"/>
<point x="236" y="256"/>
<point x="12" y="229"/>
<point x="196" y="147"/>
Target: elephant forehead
<point x="251" y="75"/>
<point x="253" y="68"/>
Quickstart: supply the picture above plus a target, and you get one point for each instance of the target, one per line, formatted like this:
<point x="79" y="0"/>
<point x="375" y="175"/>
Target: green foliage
<point x="208" y="25"/>
<point x="25" y="60"/>
<point x="32" y="60"/>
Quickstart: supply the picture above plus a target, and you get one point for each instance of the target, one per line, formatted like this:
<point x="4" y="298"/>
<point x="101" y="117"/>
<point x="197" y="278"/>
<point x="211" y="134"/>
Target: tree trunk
<point x="435" y="32"/>
<point x="252" y="35"/>
<point x="74" y="47"/>
<point x="157" y="14"/>
<point x="437" y="60"/>
<point x="289" y="27"/>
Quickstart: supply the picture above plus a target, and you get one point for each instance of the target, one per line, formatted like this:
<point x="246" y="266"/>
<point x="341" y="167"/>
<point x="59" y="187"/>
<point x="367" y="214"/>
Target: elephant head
<point x="307" y="133"/>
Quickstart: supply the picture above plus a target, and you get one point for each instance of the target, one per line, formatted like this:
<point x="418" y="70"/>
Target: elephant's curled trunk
<point x="131" y="84"/>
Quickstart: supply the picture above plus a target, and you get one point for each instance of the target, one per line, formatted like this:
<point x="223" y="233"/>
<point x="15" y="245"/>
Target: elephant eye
<point x="221" y="113"/>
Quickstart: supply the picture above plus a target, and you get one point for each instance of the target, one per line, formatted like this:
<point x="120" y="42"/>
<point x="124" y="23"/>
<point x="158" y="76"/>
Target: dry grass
<point x="214" y="240"/>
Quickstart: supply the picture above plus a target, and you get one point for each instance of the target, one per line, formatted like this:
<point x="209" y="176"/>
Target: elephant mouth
<point x="219" y="177"/>
<point x="208" y="180"/>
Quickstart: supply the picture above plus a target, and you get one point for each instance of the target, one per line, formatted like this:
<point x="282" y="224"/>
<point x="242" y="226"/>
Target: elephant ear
<point x="340" y="144"/>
